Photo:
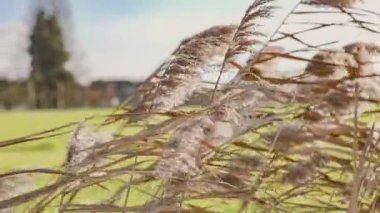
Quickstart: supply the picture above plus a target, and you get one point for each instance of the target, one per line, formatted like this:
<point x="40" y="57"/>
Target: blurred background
<point x="94" y="53"/>
<point x="65" y="54"/>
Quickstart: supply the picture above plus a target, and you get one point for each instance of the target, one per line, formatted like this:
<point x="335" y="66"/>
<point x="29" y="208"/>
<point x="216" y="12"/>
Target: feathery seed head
<point x="80" y="144"/>
<point x="15" y="185"/>
<point x="304" y="171"/>
<point x="334" y="3"/>
<point x="332" y="64"/>
<point x="363" y="52"/>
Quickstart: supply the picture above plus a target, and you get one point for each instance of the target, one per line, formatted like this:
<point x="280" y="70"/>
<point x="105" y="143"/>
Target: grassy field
<point x="48" y="153"/>
<point x="44" y="153"/>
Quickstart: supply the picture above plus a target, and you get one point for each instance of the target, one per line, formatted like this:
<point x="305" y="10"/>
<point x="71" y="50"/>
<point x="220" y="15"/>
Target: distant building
<point x="108" y="93"/>
<point x="14" y="94"/>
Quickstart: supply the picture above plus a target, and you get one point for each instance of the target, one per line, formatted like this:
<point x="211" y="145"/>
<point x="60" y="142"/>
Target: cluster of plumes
<point x="357" y="69"/>
<point x="177" y="79"/>
<point x="330" y="92"/>
<point x="334" y="3"/>
<point x="235" y="114"/>
<point x="280" y="144"/>
<point x="338" y="95"/>
<point x="82" y="145"/>
<point x="334" y="83"/>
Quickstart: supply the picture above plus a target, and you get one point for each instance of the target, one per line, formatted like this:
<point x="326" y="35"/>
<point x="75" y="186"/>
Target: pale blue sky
<point x="125" y="39"/>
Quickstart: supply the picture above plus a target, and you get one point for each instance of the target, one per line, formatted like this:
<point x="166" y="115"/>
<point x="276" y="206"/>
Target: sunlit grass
<point x="42" y="153"/>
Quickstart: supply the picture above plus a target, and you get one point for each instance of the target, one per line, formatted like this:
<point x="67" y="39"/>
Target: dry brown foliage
<point x="279" y="144"/>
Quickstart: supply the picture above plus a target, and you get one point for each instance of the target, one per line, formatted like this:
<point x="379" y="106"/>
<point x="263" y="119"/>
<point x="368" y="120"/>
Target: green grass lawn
<point x="42" y="153"/>
<point x="46" y="153"/>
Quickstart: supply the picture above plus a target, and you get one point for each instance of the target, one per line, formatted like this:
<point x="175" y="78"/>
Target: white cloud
<point x="14" y="60"/>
